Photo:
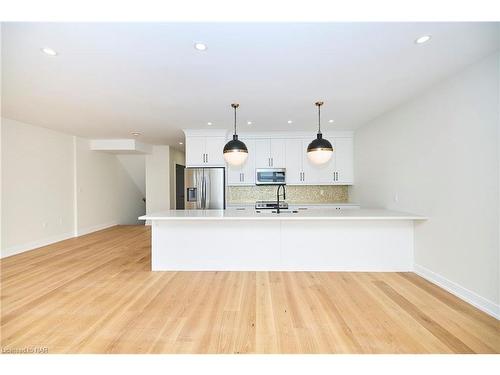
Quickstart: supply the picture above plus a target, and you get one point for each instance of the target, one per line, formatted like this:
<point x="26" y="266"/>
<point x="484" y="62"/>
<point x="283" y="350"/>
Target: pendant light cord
<point x="319" y="119"/>
<point x="234" y="120"/>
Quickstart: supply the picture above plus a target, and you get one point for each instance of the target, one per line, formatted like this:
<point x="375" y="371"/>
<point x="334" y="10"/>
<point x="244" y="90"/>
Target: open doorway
<point x="179" y="186"/>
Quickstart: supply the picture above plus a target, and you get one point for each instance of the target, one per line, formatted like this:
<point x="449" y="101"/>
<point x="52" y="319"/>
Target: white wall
<point x="135" y="166"/>
<point x="158" y="179"/>
<point x="438" y="156"/>
<point x="176" y="157"/>
<point x="37" y="186"/>
<point x="106" y="194"/>
<point x="54" y="187"/>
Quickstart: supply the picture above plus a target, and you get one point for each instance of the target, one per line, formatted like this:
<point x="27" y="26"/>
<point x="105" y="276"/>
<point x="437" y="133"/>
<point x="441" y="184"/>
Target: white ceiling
<point x="111" y="79"/>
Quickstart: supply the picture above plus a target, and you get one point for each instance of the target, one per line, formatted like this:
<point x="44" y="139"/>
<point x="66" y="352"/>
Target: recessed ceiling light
<point x="200" y="46"/>
<point x="423" y="39"/>
<point x="181" y="143"/>
<point x="209" y="123"/>
<point x="136" y="134"/>
<point x="330" y="121"/>
<point x="249" y="122"/>
<point x="289" y="121"/>
<point x="49" y="51"/>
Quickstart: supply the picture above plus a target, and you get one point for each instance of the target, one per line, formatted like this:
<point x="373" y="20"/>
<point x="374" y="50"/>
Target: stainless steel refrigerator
<point x="205" y="188"/>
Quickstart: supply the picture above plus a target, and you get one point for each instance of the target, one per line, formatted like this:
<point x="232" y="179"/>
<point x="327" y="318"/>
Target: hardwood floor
<point x="95" y="294"/>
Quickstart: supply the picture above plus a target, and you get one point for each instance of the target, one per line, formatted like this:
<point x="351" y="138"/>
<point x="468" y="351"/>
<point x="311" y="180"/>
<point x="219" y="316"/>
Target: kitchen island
<point x="311" y="240"/>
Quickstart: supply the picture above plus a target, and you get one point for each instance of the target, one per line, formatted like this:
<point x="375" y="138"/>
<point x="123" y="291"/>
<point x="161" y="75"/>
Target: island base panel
<point x="221" y="245"/>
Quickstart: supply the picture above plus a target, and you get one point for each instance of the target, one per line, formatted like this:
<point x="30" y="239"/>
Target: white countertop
<point x="317" y="214"/>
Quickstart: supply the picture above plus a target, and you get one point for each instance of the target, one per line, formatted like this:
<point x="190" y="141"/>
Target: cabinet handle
<point x="303" y="176"/>
<point x="243" y="177"/>
<point x="272" y="162"/>
<point x="207" y="157"/>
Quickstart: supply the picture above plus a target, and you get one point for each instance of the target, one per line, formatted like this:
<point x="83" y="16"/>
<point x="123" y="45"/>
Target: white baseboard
<point x="483" y="304"/>
<point x="95" y="228"/>
<point x="17" y="249"/>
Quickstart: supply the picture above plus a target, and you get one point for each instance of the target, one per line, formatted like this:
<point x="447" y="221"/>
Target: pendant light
<point x="235" y="151"/>
<point x="320" y="150"/>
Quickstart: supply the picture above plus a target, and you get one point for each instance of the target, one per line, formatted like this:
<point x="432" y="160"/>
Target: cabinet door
<point x="234" y="175"/>
<point x="195" y="151"/>
<point x="344" y="161"/>
<point x="243" y="174"/>
<point x="262" y="153"/>
<point x="318" y="174"/>
<point x="277" y="153"/>
<point x="294" y="155"/>
<point x="248" y="168"/>
<point x="214" y="156"/>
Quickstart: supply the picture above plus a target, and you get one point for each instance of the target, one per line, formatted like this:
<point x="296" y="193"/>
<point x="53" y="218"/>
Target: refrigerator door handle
<point x="203" y="194"/>
<point x="206" y="179"/>
<point x="199" y="184"/>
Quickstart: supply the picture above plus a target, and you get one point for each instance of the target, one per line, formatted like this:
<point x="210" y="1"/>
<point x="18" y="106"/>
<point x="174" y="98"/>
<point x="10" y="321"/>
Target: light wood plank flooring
<point x="95" y="294"/>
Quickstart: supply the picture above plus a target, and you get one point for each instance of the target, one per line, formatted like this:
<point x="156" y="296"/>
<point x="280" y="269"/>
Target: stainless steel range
<point x="270" y="205"/>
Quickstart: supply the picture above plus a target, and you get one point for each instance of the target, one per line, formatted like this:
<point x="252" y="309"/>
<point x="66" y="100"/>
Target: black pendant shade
<point x="235" y="145"/>
<point x="320" y="144"/>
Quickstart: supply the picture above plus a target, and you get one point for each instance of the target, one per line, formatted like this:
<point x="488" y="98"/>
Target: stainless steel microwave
<point x="270" y="176"/>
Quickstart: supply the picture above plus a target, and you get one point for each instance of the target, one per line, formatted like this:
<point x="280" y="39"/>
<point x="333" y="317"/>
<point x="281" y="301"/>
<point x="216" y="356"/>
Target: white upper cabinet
<point x="214" y="148"/>
<point x="319" y="174"/>
<point x="344" y="150"/>
<point x="287" y="150"/>
<point x="301" y="171"/>
<point x="294" y="161"/>
<point x="262" y="153"/>
<point x="195" y="151"/>
<point x="278" y="152"/>
<point x="270" y="153"/>
<point x="243" y="174"/>
<point x="205" y="150"/>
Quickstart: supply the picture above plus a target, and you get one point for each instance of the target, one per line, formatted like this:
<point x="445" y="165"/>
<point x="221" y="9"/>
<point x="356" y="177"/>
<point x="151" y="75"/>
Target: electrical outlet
<point x="321" y="192"/>
<point x="396" y="197"/>
<point x="44" y="224"/>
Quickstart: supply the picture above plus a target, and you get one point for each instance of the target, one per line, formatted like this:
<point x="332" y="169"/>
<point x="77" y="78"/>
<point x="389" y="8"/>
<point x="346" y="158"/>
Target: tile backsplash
<point x="294" y="194"/>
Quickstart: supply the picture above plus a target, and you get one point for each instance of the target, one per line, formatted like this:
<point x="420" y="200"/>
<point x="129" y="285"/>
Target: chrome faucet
<point x="278" y="197"/>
